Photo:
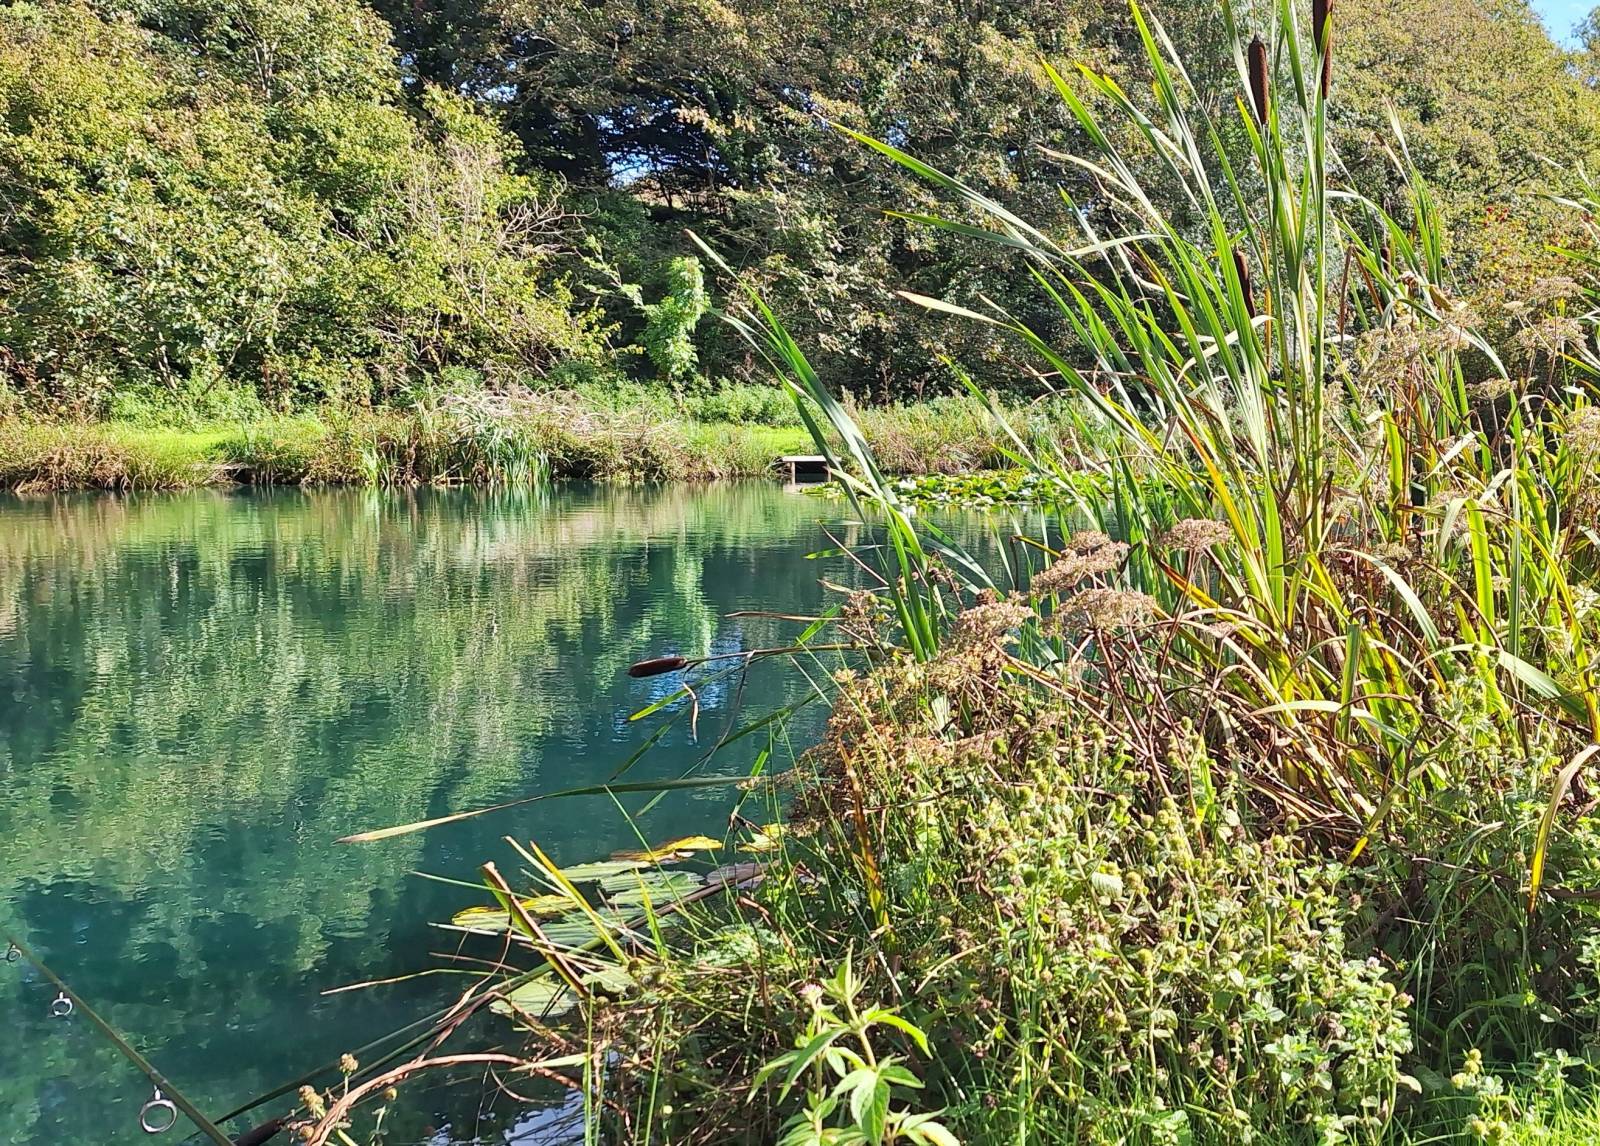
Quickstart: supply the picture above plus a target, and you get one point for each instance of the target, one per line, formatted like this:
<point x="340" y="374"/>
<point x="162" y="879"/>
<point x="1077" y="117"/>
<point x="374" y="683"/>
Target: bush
<point x="182" y="234"/>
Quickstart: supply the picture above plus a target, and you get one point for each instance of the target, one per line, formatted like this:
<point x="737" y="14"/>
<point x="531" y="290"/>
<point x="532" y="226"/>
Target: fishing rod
<point x="160" y="1113"/>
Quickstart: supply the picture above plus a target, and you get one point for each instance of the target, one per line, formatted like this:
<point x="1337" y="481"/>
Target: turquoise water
<point x="199" y="693"/>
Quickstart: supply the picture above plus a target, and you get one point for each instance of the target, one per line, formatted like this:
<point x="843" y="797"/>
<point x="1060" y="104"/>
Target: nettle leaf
<point x="890" y="1019"/>
<point x="924" y="1128"/>
<point x="798" y="1060"/>
<point x="869" y="1100"/>
<point x="892" y="1072"/>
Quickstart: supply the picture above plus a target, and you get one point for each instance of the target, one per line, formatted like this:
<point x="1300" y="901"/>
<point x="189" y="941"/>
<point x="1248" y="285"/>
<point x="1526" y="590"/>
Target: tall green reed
<point x="1384" y="538"/>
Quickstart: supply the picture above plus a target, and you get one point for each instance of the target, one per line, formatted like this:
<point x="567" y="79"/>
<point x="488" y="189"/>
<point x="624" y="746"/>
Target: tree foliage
<point x="224" y="204"/>
<point x="287" y="200"/>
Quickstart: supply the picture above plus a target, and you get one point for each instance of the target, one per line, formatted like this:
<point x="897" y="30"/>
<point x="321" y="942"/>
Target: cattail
<point x="1322" y="37"/>
<point x="655" y="666"/>
<point x="1259" y="91"/>
<point x="261" y="1134"/>
<point x="1241" y="267"/>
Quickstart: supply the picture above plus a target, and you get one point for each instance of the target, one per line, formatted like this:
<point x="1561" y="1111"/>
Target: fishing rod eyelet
<point x="61" y="1006"/>
<point x="158" y="1115"/>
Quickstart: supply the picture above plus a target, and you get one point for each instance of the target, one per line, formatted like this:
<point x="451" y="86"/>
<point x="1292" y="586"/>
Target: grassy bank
<point x="478" y="440"/>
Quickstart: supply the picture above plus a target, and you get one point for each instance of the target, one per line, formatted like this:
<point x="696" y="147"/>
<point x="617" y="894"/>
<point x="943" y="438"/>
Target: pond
<point x="199" y="693"/>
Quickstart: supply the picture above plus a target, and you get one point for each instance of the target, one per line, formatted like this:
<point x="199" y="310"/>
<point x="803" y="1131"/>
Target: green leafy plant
<point x="846" y="1080"/>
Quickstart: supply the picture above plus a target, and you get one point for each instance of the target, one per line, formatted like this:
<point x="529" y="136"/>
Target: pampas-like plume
<point x="1259" y="90"/>
<point x="1322" y="37"/>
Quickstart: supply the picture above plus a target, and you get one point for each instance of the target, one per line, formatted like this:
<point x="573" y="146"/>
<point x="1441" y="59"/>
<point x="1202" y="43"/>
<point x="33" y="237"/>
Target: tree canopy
<point x="284" y="201"/>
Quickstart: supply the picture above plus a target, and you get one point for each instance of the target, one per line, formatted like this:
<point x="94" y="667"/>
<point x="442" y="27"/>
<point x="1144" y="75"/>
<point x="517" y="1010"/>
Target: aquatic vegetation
<point x="988" y="489"/>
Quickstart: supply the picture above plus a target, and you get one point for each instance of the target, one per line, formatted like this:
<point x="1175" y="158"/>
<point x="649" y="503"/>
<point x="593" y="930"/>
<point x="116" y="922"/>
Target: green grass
<point x="453" y="444"/>
<point x="109" y="456"/>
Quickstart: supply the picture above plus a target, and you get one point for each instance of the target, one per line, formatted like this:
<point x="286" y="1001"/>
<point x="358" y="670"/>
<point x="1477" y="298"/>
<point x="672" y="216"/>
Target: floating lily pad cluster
<point x="987" y="489"/>
<point x="609" y="894"/>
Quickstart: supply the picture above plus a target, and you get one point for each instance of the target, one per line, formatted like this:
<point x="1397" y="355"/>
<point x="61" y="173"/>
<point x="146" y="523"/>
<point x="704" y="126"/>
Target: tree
<point x="221" y="204"/>
<point x="1493" y="114"/>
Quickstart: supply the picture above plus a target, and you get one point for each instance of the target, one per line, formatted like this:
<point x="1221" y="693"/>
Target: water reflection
<point x="200" y="692"/>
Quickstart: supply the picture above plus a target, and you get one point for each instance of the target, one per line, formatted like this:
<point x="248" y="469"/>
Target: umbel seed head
<point x="1259" y="92"/>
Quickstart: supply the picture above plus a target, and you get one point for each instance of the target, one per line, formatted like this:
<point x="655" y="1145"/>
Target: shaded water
<point x="200" y="692"/>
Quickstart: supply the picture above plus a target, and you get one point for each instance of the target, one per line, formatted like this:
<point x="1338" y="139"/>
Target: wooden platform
<point x="804" y="467"/>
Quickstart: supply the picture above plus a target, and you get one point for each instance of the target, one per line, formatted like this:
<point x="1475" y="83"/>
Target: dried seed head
<point x="1241" y="266"/>
<point x="1074" y="565"/>
<point x="990" y="622"/>
<point x="1197" y="533"/>
<point x="1104" y="609"/>
<point x="655" y="666"/>
<point x="1259" y="89"/>
<point x="1086" y="541"/>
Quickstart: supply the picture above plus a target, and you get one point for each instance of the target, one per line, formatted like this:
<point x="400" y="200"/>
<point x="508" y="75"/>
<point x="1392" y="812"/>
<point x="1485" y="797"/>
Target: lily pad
<point x="576" y="930"/>
<point x="543" y="998"/>
<point x="672" y="849"/>
<point x="767" y="838"/>
<point x="492" y="919"/>
<point x="660" y="886"/>
<point x="590" y="872"/>
<point x="737" y="873"/>
<point x="610" y="980"/>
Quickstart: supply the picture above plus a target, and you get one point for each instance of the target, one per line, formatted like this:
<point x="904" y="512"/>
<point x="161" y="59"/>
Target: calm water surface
<point x="200" y="692"/>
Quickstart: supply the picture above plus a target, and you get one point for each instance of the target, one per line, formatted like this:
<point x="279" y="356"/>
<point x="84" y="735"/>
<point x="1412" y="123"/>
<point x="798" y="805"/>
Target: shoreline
<point x="375" y="448"/>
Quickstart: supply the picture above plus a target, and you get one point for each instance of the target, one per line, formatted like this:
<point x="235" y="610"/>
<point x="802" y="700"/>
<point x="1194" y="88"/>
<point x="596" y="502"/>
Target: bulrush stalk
<point x="1322" y="37"/>
<point x="1241" y="266"/>
<point x="655" y="666"/>
<point x="1260" y="89"/>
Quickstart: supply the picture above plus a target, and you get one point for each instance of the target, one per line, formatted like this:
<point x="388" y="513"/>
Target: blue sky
<point x="1561" y="15"/>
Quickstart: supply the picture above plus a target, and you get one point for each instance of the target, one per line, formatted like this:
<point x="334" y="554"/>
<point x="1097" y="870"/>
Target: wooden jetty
<point x="804" y="467"/>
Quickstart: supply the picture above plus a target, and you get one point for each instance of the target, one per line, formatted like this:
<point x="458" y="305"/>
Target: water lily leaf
<point x="493" y="919"/>
<point x="736" y="873"/>
<point x="541" y="998"/>
<point x="590" y="872"/>
<point x="660" y="886"/>
<point x="672" y="849"/>
<point x="765" y="839"/>
<point x="576" y="930"/>
<point x="610" y="980"/>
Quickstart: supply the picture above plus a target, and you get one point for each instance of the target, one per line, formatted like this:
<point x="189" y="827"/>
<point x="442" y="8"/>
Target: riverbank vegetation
<point x="508" y="438"/>
<point x="1249" y="802"/>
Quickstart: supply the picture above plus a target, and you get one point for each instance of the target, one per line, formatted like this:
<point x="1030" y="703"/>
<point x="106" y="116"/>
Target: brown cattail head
<point x="1241" y="266"/>
<point x="655" y="666"/>
<point x="262" y="1134"/>
<point x="1259" y="90"/>
<point x="1322" y="37"/>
